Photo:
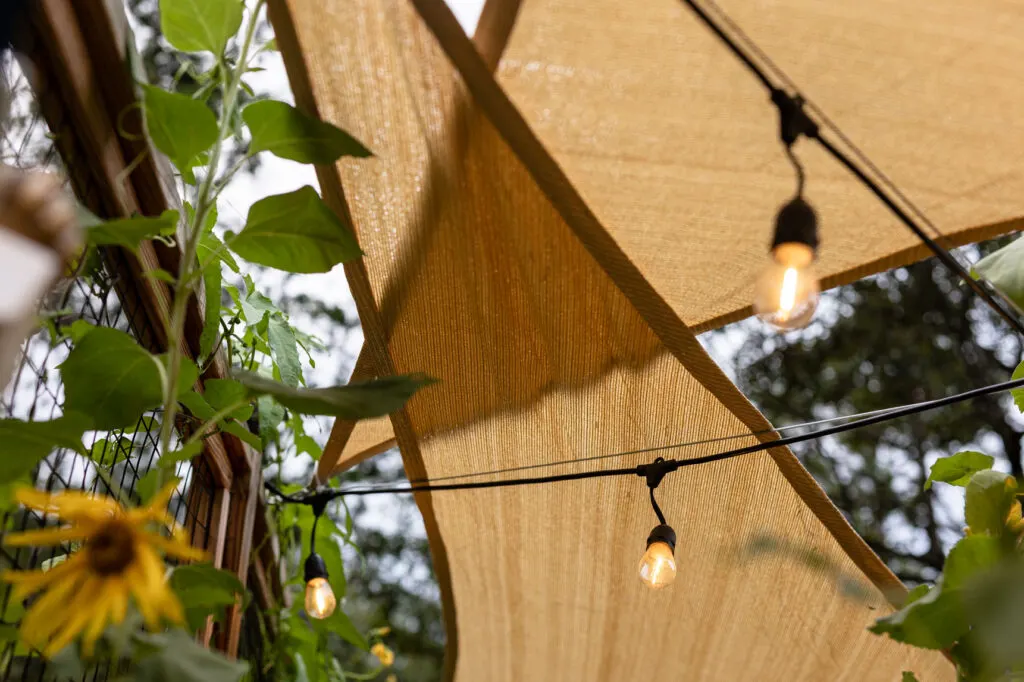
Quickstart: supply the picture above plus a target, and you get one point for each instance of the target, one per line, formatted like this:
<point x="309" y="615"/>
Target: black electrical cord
<point x="810" y="130"/>
<point x="659" y="467"/>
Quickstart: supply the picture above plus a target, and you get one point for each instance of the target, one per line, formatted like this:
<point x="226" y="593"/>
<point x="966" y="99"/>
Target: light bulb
<point x="320" y="600"/>
<point x="658" y="565"/>
<point x="786" y="294"/>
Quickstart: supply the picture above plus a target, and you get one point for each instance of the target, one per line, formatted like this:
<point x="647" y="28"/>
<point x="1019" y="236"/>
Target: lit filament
<point x="787" y="297"/>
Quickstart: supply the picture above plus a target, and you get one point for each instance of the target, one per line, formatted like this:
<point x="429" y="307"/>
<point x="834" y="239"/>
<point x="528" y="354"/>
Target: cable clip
<point x="656" y="470"/>
<point x="793" y="121"/>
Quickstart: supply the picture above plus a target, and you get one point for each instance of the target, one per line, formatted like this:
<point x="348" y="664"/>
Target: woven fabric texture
<point x="477" y="279"/>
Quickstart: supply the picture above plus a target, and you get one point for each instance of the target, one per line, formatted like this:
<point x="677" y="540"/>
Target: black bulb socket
<point x="314" y="567"/>
<point x="663" y="533"/>
<point x="796" y="223"/>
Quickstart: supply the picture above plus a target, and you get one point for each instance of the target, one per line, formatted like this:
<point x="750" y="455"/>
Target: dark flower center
<point x="112" y="549"/>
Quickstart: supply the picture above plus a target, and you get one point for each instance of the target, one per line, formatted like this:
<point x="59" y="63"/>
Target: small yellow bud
<point x="385" y="655"/>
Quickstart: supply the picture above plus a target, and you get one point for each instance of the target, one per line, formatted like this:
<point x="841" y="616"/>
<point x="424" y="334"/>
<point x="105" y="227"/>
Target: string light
<point x="658" y="564"/>
<point x="657" y="567"/>
<point x="796" y="123"/>
<point x="320" y="601"/>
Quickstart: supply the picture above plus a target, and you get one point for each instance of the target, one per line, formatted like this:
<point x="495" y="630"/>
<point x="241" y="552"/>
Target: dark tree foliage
<point x="908" y="335"/>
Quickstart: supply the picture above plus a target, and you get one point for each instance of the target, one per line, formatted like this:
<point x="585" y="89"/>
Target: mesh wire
<point x="36" y="393"/>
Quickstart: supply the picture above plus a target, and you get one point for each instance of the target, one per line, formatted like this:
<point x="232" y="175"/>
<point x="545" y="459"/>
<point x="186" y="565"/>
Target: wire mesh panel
<point x="116" y="460"/>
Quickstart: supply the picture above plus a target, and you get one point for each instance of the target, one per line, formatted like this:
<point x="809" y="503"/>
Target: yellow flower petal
<point x="49" y="612"/>
<point x="68" y="504"/>
<point x="174" y="548"/>
<point x="45" y="537"/>
<point x="105" y="595"/>
<point x="29" y="582"/>
<point x="79" y="618"/>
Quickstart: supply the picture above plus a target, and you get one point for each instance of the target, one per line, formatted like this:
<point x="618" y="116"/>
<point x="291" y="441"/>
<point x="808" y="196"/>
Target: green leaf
<point x="113" y="380"/>
<point x="908" y="676"/>
<point x="180" y="127"/>
<point x="211" y="314"/>
<point x="129" y="232"/>
<point x="354" y="401"/>
<point x="148" y="485"/>
<point x="1005" y="270"/>
<point x="160" y="275"/>
<point x="1018" y="393"/>
<point x="25" y="444"/>
<point x="284" y="131"/>
<point x="970" y="556"/>
<point x="120" y="448"/>
<point x="242" y="433"/>
<point x="933" y="621"/>
<point x="341" y="625"/>
<point x="916" y="594"/>
<point x="958" y="469"/>
<point x="78" y="330"/>
<point x="197" y="405"/>
<point x="284" y="350"/>
<point x="210" y="246"/>
<point x="306" y="444"/>
<point x="270" y="417"/>
<point x="200" y="25"/>
<point x="989" y="497"/>
<point x="185" y="454"/>
<point x="270" y="45"/>
<point x="204" y="590"/>
<point x="222" y="393"/>
<point x="176" y="657"/>
<point x="295" y="232"/>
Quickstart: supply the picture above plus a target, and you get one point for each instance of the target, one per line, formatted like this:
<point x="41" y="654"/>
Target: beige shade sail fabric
<point x="473" y="276"/>
<point x="675" y="145"/>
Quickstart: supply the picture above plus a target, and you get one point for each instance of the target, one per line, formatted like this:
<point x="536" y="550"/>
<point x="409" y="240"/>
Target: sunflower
<point x="119" y="559"/>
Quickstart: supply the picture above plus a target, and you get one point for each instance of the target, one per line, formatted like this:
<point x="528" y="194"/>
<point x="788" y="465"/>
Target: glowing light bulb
<point x="320" y="599"/>
<point x="786" y="294"/>
<point x="658" y="565"/>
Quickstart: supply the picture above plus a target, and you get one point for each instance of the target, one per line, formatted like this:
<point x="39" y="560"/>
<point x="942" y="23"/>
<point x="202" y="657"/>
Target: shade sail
<point x="675" y="145"/>
<point x="550" y="345"/>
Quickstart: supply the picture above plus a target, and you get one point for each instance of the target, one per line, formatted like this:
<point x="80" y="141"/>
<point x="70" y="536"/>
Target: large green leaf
<point x="26" y="443"/>
<point x="211" y="313"/>
<point x="958" y="469"/>
<point x="1005" y="270"/>
<point x="200" y="25"/>
<point x="969" y="557"/>
<point x="989" y="497"/>
<point x="113" y="380"/>
<point x="180" y="127"/>
<point x="354" y="401"/>
<point x="222" y="393"/>
<point x="340" y="624"/>
<point x="204" y="590"/>
<point x="295" y="232"/>
<point x="284" y="349"/>
<point x="933" y="621"/>
<point x="284" y="131"/>
<point x="129" y="232"/>
<point x="242" y="433"/>
<point x="176" y="657"/>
